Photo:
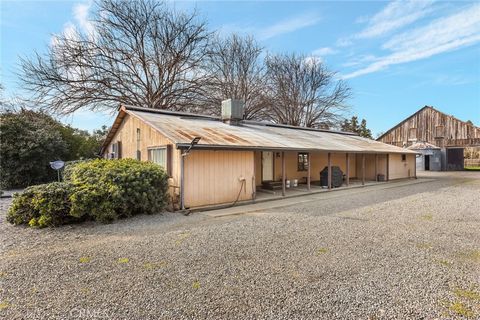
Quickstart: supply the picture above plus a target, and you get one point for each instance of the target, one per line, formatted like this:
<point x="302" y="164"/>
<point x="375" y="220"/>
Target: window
<point x="302" y="161"/>
<point x="404" y="157"/>
<point x="412" y="134"/>
<point x="158" y="156"/>
<point x="116" y="150"/>
<point x="139" y="154"/>
<point x="439" y="131"/>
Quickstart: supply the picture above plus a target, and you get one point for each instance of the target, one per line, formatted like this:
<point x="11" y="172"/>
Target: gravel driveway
<point x="405" y="252"/>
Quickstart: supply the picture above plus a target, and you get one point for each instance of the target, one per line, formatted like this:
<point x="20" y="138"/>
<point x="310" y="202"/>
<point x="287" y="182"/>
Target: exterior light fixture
<point x="192" y="144"/>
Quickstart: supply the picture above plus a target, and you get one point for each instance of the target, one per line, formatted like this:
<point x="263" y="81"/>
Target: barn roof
<point x="181" y="128"/>
<point x="417" y="112"/>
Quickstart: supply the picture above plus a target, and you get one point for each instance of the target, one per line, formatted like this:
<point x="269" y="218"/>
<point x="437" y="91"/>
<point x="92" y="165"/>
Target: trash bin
<point x="380" y="177"/>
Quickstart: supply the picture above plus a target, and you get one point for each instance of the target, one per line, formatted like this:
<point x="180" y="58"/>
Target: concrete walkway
<point x="265" y="204"/>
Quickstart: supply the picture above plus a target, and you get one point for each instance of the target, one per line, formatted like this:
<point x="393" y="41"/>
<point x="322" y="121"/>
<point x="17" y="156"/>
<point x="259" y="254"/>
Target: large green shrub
<point x="111" y="189"/>
<point x="30" y="140"/>
<point x="42" y="205"/>
<point x="102" y="190"/>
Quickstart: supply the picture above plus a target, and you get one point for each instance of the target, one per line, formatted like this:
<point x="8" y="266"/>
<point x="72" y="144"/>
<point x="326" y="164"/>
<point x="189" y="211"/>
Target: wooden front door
<point x="267" y="166"/>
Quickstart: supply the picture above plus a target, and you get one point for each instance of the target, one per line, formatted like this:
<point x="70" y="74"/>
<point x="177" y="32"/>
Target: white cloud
<point x="69" y="31"/>
<point x="288" y="25"/>
<point x="80" y="14"/>
<point x="360" y="60"/>
<point x="395" y="15"/>
<point x="313" y="60"/>
<point x="344" y="42"/>
<point x="442" y="35"/>
<point x="325" y="51"/>
<point x="446" y="80"/>
<point x="80" y="23"/>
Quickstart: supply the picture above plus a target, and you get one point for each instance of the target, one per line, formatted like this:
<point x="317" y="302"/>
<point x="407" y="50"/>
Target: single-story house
<point x="220" y="160"/>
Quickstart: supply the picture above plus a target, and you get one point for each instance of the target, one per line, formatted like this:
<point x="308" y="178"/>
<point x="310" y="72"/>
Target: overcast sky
<point x="397" y="56"/>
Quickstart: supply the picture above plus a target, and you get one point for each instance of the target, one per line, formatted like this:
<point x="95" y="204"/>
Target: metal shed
<point x="429" y="157"/>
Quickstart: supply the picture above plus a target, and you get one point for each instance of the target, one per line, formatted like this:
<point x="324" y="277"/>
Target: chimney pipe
<point x="232" y="111"/>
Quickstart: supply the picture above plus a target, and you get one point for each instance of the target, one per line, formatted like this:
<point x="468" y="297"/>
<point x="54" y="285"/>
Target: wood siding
<point x="149" y="137"/>
<point x="318" y="161"/>
<point x="432" y="126"/>
<point x="401" y="169"/>
<point x="370" y="166"/>
<point x="213" y="177"/>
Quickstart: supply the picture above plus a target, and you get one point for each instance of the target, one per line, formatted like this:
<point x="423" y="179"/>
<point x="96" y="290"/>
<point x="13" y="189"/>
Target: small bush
<point x="101" y="190"/>
<point x="111" y="189"/>
<point x="42" y="205"/>
<point x="22" y="211"/>
<point x="68" y="168"/>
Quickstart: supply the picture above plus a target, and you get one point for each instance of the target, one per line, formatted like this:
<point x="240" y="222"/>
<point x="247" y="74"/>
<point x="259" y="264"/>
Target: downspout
<point x="182" y="181"/>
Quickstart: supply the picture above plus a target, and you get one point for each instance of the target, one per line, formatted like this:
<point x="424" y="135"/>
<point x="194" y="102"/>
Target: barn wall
<point x="425" y="123"/>
<point x="399" y="169"/>
<point x="212" y="177"/>
<point x="127" y="135"/>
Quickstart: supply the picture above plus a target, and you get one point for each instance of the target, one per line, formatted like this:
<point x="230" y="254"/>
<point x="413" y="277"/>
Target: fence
<point x="472" y="162"/>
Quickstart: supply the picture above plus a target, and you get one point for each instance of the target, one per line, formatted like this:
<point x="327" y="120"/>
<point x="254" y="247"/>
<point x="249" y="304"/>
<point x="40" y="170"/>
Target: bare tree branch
<point x="235" y="71"/>
<point x="141" y="53"/>
<point x="302" y="92"/>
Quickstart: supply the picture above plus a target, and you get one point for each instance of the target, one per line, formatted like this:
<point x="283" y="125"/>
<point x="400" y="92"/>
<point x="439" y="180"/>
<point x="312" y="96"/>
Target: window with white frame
<point x="158" y="156"/>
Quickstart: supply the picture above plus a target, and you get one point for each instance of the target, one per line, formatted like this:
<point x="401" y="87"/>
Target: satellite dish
<point x="57" y="165"/>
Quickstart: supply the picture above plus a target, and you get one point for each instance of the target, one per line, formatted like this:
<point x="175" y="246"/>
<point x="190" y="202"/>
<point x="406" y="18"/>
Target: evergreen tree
<point x="353" y="126"/>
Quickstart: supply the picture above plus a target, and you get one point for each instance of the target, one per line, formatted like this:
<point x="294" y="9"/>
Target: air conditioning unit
<point x="112" y="155"/>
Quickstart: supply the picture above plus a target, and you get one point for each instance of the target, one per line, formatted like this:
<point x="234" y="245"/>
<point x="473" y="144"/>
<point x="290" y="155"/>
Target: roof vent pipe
<point x="232" y="111"/>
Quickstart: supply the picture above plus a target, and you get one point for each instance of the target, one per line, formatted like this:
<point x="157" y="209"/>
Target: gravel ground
<point x="406" y="252"/>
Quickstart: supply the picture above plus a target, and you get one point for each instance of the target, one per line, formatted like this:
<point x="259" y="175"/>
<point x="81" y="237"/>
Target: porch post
<point x="387" y="178"/>
<point x="254" y="182"/>
<point x="347" y="159"/>
<point x="329" y="170"/>
<point x="376" y="167"/>
<point x="283" y="173"/>
<point x="363" y="169"/>
<point x="415" y="166"/>
<point x="308" y="172"/>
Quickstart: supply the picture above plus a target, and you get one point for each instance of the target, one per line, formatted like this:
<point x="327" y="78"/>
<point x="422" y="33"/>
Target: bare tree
<point x="139" y="53"/>
<point x="235" y="71"/>
<point x="302" y="92"/>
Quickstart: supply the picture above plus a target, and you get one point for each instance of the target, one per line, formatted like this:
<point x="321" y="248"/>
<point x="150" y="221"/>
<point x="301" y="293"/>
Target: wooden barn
<point x="221" y="160"/>
<point x="435" y="128"/>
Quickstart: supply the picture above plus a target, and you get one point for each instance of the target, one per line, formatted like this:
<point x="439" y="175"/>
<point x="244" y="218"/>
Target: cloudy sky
<point x="397" y="56"/>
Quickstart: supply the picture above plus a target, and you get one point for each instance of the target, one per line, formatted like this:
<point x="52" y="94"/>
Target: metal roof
<point x="182" y="128"/>
<point x="423" y="146"/>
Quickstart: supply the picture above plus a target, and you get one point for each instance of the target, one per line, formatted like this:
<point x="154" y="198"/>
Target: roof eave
<point x="266" y="148"/>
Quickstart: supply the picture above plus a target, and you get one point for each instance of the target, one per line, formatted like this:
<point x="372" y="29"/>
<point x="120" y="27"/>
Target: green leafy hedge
<point x="42" y="205"/>
<point x="111" y="189"/>
<point x="101" y="190"/>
